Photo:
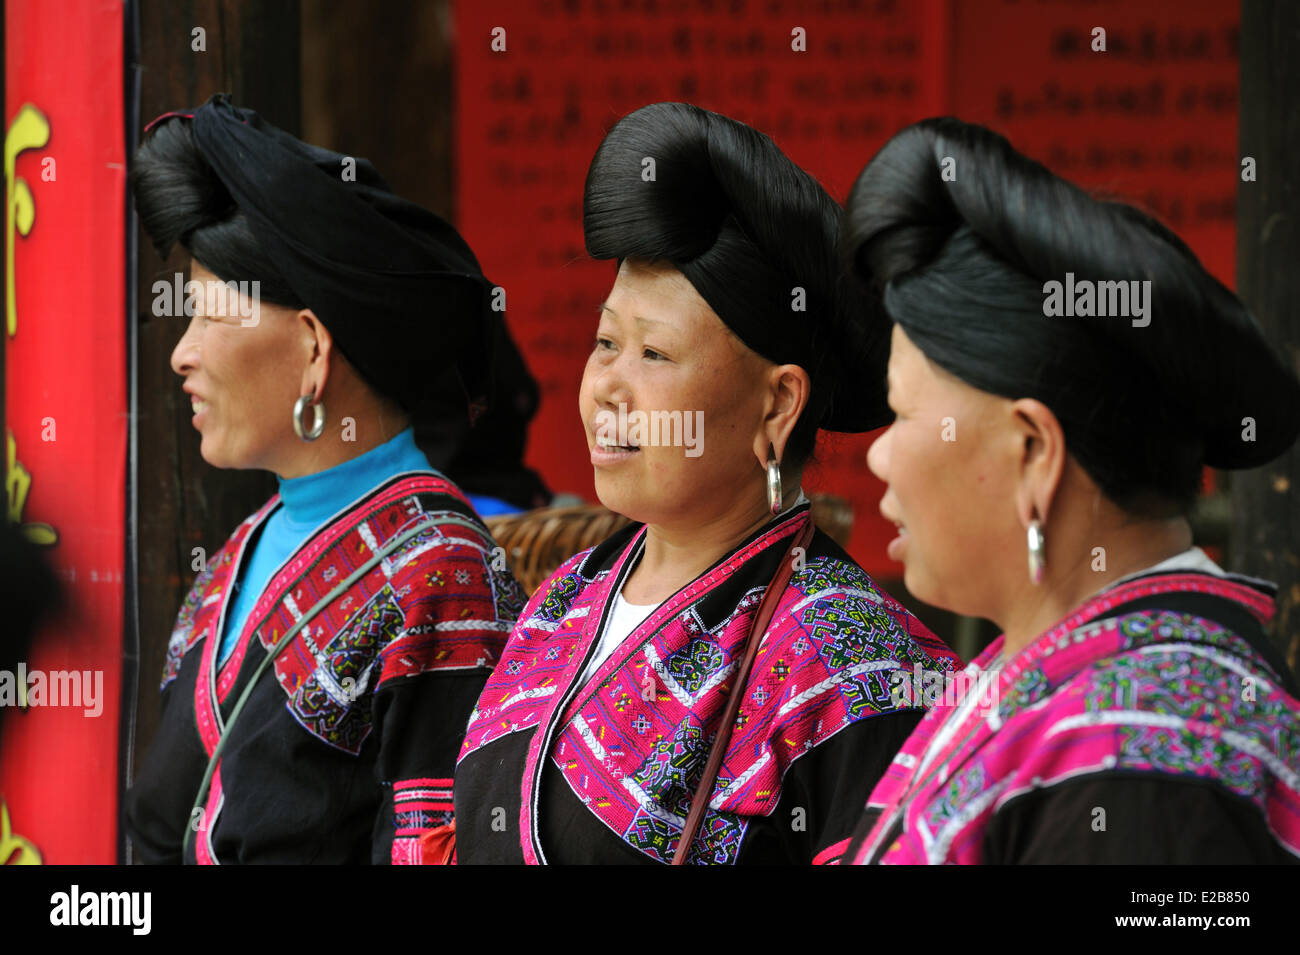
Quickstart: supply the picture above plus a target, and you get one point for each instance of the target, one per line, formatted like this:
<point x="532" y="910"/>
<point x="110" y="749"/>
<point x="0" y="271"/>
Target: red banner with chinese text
<point x="66" y="417"/>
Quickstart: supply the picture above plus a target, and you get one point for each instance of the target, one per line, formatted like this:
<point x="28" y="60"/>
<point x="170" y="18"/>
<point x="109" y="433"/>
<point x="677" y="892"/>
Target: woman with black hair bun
<point x="712" y="684"/>
<point x="323" y="665"/>
<point x="1062" y="369"/>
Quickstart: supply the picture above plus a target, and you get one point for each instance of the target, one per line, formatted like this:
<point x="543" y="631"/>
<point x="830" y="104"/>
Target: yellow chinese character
<point x="30" y="130"/>
<point x="20" y="850"/>
<point x="17" y="483"/>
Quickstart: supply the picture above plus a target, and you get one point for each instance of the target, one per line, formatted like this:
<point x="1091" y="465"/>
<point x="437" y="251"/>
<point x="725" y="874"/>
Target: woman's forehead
<point x="660" y="278"/>
<point x="657" y="295"/>
<point x="911" y="371"/>
<point x="904" y="357"/>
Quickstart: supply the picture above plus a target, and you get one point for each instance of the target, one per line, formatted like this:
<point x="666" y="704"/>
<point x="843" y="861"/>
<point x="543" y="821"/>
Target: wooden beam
<point x="1266" y="501"/>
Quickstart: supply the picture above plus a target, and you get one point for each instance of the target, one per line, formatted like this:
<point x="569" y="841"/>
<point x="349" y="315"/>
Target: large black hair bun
<point x="951" y="212"/>
<point x="182" y="201"/>
<point x="720" y="202"/>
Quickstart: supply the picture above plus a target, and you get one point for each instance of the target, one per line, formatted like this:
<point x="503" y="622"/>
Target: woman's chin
<point x="918" y="585"/>
<point x="621" y="499"/>
<point x="610" y="500"/>
<point x="924" y="588"/>
<point x="214" y="454"/>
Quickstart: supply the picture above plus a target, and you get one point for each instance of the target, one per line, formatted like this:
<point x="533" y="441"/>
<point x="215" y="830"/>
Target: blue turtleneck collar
<point x="309" y="500"/>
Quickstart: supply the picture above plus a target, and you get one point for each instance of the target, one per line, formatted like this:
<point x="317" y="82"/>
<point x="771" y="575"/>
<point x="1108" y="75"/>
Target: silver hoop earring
<point x="1037" y="552"/>
<point x="773" y="482"/>
<point x="317" y="421"/>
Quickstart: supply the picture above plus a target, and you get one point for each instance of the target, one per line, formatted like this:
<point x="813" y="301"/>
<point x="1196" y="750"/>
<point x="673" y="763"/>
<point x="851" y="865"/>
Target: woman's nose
<point x="878" y="455"/>
<point x="610" y="389"/>
<point x="185" y="356"/>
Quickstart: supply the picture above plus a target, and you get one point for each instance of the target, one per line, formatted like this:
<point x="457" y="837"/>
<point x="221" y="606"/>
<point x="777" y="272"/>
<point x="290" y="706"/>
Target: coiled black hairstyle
<point x="181" y="201"/>
<point x="746" y="227"/>
<point x="397" y="286"/>
<point x="962" y="261"/>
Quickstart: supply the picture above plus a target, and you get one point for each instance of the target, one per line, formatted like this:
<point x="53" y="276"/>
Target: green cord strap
<point x="352" y="578"/>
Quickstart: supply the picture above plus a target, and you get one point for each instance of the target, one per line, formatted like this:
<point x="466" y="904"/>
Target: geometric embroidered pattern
<point x="332" y="703"/>
<point x="692" y="666"/>
<point x="354" y="653"/>
<point x="632" y="748"/>
<point x="418" y="806"/>
<point x="1161" y="693"/>
<point x="422" y="609"/>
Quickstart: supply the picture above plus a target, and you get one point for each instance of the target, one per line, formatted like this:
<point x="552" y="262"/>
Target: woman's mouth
<point x="605" y="452"/>
<point x="898" y="546"/>
<point x="198" y="406"/>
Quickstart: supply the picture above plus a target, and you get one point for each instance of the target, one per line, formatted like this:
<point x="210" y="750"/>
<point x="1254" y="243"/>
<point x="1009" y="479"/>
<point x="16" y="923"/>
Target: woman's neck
<point x="675" y="554"/>
<point x="338" y="444"/>
<point x="1103" y="559"/>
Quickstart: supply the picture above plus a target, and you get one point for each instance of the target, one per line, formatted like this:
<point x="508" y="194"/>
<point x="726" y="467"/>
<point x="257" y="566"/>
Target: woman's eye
<point x="652" y="354"/>
<point x="603" y="343"/>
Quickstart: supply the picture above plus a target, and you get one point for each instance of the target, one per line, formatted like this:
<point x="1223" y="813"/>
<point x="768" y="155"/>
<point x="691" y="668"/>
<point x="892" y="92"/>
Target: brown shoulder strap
<point x="755" y="637"/>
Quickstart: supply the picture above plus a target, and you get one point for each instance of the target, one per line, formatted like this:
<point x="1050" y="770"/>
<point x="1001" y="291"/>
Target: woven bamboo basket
<point x="538" y="541"/>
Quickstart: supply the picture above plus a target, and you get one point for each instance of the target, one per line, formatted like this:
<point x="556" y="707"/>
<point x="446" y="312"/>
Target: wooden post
<point x="1266" y="501"/>
<point x="358" y="74"/>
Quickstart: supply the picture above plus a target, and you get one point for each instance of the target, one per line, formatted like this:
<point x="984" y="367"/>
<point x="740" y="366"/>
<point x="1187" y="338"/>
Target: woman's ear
<point x="318" y="344"/>
<point x="1041" y="458"/>
<point x="787" y="391"/>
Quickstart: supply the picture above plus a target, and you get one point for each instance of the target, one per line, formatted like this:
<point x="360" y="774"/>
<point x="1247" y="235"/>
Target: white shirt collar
<point x="1191" y="559"/>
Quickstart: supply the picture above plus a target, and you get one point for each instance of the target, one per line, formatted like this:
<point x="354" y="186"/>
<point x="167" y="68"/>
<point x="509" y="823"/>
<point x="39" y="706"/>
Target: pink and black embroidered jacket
<point x="1156" y="724"/>
<point x="345" y="749"/>
<point x="558" y="769"/>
